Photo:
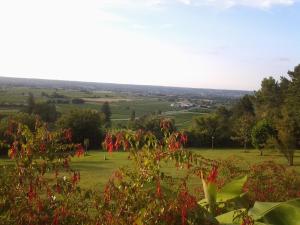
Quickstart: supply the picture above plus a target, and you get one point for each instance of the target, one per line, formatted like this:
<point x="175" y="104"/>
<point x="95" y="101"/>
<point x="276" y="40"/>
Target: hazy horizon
<point x="99" y="82"/>
<point x="220" y="44"/>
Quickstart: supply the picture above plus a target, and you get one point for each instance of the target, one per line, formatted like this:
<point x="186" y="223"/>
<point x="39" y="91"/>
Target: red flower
<point x="107" y="194"/>
<point x="75" y="178"/>
<point x="158" y="190"/>
<point x="31" y="193"/>
<point x="12" y="152"/>
<point x="212" y="177"/>
<point x="42" y="147"/>
<point x="187" y="202"/>
<point x="79" y="150"/>
<point x="68" y="135"/>
<point x="108" y="143"/>
<point x="183" y="138"/>
<point x="248" y="221"/>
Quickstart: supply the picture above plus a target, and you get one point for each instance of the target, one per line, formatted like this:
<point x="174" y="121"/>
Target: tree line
<point x="270" y="118"/>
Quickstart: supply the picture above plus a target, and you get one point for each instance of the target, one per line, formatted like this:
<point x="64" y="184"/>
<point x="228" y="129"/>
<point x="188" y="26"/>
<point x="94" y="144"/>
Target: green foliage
<point x="30" y="104"/>
<point x="207" y="127"/>
<point x="261" y="133"/>
<point x="84" y="124"/>
<point x="243" y="128"/>
<point x="279" y="213"/>
<point x="5" y="123"/>
<point x="77" y="101"/>
<point x="46" y="111"/>
<point x="105" y="109"/>
<point x="152" y="123"/>
<point x="232" y="190"/>
<point x="244" y="106"/>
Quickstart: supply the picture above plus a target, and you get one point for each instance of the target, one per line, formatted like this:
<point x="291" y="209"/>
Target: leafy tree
<point x="268" y="99"/>
<point x="152" y="123"/>
<point x="132" y="121"/>
<point x="132" y="115"/>
<point x="30" y="104"/>
<point x="208" y="126"/>
<point x="225" y="129"/>
<point x="243" y="106"/>
<point x="84" y="124"/>
<point x="242" y="128"/>
<point x="261" y="133"/>
<point x="46" y="111"/>
<point x="105" y="109"/>
<point x="293" y="95"/>
<point x="287" y="138"/>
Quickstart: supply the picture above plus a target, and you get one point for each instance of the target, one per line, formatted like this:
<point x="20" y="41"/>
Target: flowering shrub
<point x="40" y="187"/>
<point x="269" y="181"/>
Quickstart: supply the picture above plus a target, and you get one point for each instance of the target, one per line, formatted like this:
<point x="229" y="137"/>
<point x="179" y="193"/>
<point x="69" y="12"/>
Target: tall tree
<point x="287" y="138"/>
<point x="268" y="99"/>
<point x="293" y="96"/>
<point x="30" y="103"/>
<point x="84" y="124"/>
<point x="261" y="133"/>
<point x="242" y="129"/>
<point x="243" y="106"/>
<point x="132" y="115"/>
<point x="208" y="126"/>
<point x="105" y="109"/>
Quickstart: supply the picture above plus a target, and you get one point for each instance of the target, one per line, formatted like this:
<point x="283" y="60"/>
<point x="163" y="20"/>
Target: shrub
<point x="272" y="182"/>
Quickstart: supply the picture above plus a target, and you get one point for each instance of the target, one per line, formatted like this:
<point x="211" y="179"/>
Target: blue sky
<point x="228" y="44"/>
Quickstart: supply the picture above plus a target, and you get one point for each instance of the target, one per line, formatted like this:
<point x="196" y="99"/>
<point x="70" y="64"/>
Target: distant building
<point x="183" y="104"/>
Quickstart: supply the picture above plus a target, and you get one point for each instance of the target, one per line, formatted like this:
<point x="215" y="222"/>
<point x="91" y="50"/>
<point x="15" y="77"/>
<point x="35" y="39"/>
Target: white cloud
<point x="263" y="4"/>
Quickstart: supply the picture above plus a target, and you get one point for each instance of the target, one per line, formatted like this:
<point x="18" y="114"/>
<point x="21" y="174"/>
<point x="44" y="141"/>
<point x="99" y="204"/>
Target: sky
<point x="222" y="44"/>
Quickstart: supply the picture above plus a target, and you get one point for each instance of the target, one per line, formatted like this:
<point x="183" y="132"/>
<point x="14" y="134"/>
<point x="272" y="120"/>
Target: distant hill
<point x="128" y="88"/>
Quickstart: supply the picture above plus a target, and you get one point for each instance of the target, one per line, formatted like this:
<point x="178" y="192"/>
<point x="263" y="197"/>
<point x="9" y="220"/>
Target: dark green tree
<point x="268" y="99"/>
<point x="242" y="130"/>
<point x="105" y="109"/>
<point x="293" y="93"/>
<point x="207" y="127"/>
<point x="288" y="134"/>
<point x="84" y="124"/>
<point x="30" y="104"/>
<point x="46" y="111"/>
<point x="261" y="133"/>
<point x="244" y="106"/>
<point x="132" y="115"/>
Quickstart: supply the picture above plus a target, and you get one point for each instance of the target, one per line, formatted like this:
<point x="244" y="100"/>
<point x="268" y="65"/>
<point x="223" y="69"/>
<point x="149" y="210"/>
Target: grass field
<point x="95" y="170"/>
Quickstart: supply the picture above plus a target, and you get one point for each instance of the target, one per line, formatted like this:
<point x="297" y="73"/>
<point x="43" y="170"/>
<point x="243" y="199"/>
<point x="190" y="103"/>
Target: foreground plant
<point x="40" y="187"/>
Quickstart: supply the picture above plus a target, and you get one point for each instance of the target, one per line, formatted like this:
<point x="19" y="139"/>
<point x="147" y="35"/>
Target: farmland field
<point x="122" y="104"/>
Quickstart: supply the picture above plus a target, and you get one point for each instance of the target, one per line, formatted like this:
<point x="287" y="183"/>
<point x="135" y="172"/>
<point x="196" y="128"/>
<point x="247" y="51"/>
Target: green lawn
<point x="95" y="170"/>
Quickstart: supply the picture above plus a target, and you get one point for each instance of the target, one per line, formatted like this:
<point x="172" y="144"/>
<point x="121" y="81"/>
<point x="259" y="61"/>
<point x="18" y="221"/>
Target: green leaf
<point x="232" y="190"/>
<point x="284" y="213"/>
<point x="227" y="218"/>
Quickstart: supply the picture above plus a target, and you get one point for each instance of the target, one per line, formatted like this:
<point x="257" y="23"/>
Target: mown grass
<point x="95" y="170"/>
